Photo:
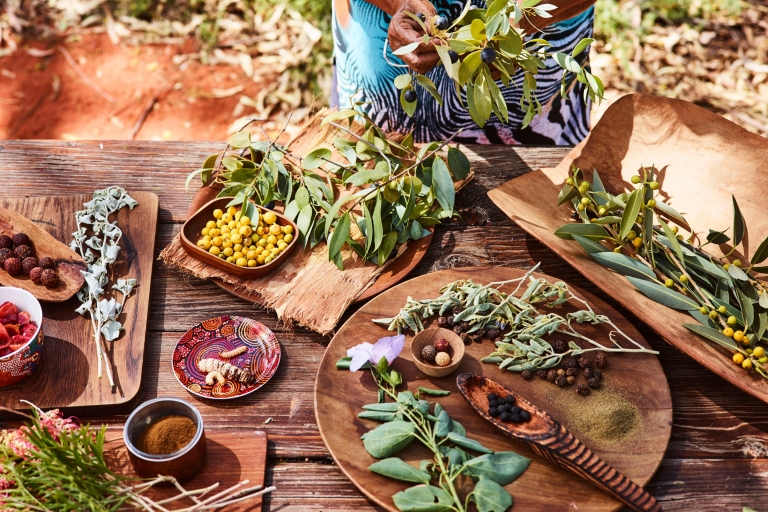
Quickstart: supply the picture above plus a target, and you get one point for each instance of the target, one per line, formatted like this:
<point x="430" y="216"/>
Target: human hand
<point x="404" y="30"/>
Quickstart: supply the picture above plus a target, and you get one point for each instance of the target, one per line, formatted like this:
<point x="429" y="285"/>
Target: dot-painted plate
<point x="222" y="334"/>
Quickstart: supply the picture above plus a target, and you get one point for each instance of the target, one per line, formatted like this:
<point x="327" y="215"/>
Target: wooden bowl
<point x="429" y="337"/>
<point x="190" y="234"/>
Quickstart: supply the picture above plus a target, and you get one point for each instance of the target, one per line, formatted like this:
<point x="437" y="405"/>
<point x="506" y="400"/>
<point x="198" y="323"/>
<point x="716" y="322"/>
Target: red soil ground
<point x="30" y="107"/>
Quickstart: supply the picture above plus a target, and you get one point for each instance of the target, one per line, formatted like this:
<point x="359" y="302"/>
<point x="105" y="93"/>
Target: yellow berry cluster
<point x="232" y="237"/>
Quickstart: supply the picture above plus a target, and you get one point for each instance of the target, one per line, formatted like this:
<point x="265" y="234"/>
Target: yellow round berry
<point x="763" y="360"/>
<point x="631" y="235"/>
<point x="214" y="232"/>
<point x="261" y="242"/>
<point x="758" y="352"/>
<point x="226" y="217"/>
<point x="713" y="314"/>
<point x="210" y="224"/>
<point x="260" y="230"/>
<point x="281" y="245"/>
<point x="225" y="230"/>
<point x="288" y="238"/>
<point x="205" y="231"/>
<point x="230" y="259"/>
<point x="251" y="255"/>
<point x="236" y="238"/>
<point x="272" y="239"/>
<point x="227" y="251"/>
<point x="238" y="215"/>
<point x="261" y="258"/>
<point x="252" y="263"/>
<point x="738" y="336"/>
<point x="214" y="250"/>
<point x="245" y="230"/>
<point x="255" y="237"/>
<point x="269" y="217"/>
<point x="241" y="262"/>
<point x="287" y="229"/>
<point x="216" y="241"/>
<point x="238" y="247"/>
<point x="728" y="332"/>
<point x="232" y="225"/>
<point x="738" y="263"/>
<point x="227" y="243"/>
<point x="231" y="211"/>
<point x="269" y="258"/>
<point x="732" y="320"/>
<point x="722" y="309"/>
<point x="637" y="242"/>
<point x="274" y="229"/>
<point x="269" y="247"/>
<point x="683" y="278"/>
<point x="245" y="220"/>
<point x="217" y="213"/>
<point x="669" y="283"/>
<point x="738" y="358"/>
<point x="206" y="244"/>
<point x="238" y="254"/>
<point x="747" y="364"/>
<point x="247" y="241"/>
<point x="275" y="250"/>
<point x="220" y="223"/>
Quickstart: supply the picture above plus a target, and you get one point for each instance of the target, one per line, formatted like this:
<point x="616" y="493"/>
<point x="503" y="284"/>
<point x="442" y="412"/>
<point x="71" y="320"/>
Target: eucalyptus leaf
<point x="663" y="295"/>
<point x="718" y="237"/>
<point x="673" y="241"/>
<point x="316" y="158"/>
<point x="736" y="273"/>
<point x="339" y="236"/>
<point x="589" y="231"/>
<point x="739" y="226"/>
<point x="761" y="254"/>
<point x="377" y="415"/>
<point x="398" y="469"/>
<point x="712" y="335"/>
<point x="634" y="203"/>
<point x="624" y="265"/>
<point x="443" y="185"/>
<point x="590" y="246"/>
<point x="387" y="244"/>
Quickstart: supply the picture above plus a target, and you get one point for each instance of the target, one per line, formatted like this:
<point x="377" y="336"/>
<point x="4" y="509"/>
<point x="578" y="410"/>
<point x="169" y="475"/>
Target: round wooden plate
<point x="221" y="334"/>
<point x="638" y="378"/>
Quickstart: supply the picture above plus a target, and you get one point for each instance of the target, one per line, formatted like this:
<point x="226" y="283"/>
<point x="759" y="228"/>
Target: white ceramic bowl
<point x="22" y="363"/>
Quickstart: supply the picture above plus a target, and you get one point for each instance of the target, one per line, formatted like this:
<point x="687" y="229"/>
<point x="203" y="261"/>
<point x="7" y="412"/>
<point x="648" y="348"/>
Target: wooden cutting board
<point x="638" y="378"/>
<point x="707" y="159"/>
<point x="67" y="374"/>
<point x="231" y="458"/>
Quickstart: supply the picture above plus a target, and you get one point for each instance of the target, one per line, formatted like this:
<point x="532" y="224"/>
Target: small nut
<point x="442" y="359"/>
<point x="582" y="389"/>
<point x="527" y="374"/>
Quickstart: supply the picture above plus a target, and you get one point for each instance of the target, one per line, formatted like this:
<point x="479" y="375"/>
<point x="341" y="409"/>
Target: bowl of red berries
<point x="21" y="335"/>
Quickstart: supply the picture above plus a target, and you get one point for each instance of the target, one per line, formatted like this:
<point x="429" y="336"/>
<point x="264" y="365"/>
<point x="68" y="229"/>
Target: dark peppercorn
<point x="456" y="310"/>
<point x="525" y="416"/>
<point x="560" y="345"/>
<point x="571" y="372"/>
<point x="560" y="371"/>
<point x="527" y="374"/>
<point x="465" y="326"/>
<point x="494" y="411"/>
<point x="6" y="242"/>
<point x="551" y="375"/>
<point x="492" y="396"/>
<point x="442" y="321"/>
<point x="504" y="416"/>
<point x="457" y="329"/>
<point x="514" y="410"/>
<point x="588" y="373"/>
<point x="560" y="381"/>
<point x="27" y="264"/>
<point x="23" y="251"/>
<point x="600" y="360"/>
<point x="36" y="275"/>
<point x="570" y="379"/>
<point x="576" y="216"/>
<point x="509" y="399"/>
<point x="21" y="239"/>
<point x="12" y="266"/>
<point x="494" y="333"/>
<point x="5" y="254"/>
<point x="515" y="417"/>
<point x="583" y="362"/>
<point x="542" y="374"/>
<point x="466" y="339"/>
<point x="449" y="321"/>
<point x="582" y="389"/>
<point x="598" y="373"/>
<point x="47" y="262"/>
<point x="49" y="278"/>
<point x="480" y="332"/>
<point x="493" y="403"/>
<point x="594" y="383"/>
<point x="569" y="362"/>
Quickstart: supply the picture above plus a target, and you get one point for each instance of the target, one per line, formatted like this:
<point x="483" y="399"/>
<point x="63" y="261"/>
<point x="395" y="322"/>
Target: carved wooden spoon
<point x="544" y="435"/>
<point x="68" y="263"/>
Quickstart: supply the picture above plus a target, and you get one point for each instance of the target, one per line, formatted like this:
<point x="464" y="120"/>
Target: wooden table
<point x="718" y="454"/>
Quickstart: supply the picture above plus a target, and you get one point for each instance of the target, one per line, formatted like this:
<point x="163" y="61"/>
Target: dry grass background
<point x="710" y="52"/>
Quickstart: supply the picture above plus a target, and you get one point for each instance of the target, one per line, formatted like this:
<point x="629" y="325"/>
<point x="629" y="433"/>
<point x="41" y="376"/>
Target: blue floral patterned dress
<point x="360" y="32"/>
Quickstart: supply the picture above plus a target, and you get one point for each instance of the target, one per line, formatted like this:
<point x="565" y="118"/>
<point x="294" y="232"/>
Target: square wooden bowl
<point x="191" y="233"/>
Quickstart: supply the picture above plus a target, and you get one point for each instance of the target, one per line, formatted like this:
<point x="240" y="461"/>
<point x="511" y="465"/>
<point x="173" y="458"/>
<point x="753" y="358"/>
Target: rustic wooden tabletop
<point x="718" y="454"/>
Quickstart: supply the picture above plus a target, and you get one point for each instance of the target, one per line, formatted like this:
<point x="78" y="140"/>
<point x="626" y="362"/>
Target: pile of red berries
<point x="17" y="256"/>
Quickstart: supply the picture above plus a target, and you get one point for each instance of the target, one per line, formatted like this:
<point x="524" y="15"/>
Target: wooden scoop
<point x="68" y="263"/>
<point x="548" y="438"/>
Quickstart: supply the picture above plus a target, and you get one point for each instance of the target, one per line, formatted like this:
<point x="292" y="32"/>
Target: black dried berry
<point x="504" y="416"/>
<point x="510" y="399"/>
<point x="457" y="329"/>
<point x="582" y="389"/>
<point x="47" y="262"/>
<point x="23" y="251"/>
<point x="525" y="416"/>
<point x="527" y="374"/>
<point x="457" y="309"/>
<point x="598" y="373"/>
<point x="488" y="55"/>
<point x="49" y="278"/>
<point x="559" y="345"/>
<point x="36" y="275"/>
<point x="465" y="326"/>
<point x="428" y="353"/>
<point x="583" y="362"/>
<point x="422" y="16"/>
<point x="449" y="321"/>
<point x="515" y="417"/>
<point x="494" y="411"/>
<point x="588" y="373"/>
<point x="569" y="362"/>
<point x="560" y="371"/>
<point x="410" y="96"/>
<point x="480" y="332"/>
<point x="442" y="321"/>
<point x="570" y="379"/>
<point x="594" y="383"/>
<point x="492" y="396"/>
<point x="453" y="56"/>
<point x="442" y="23"/>
<point x="551" y="375"/>
<point x="571" y="372"/>
<point x="514" y="409"/>
<point x="6" y="242"/>
<point x="493" y="403"/>
<point x="542" y="374"/>
<point x="466" y="339"/>
<point x="5" y="254"/>
<point x="600" y="360"/>
<point x="27" y="264"/>
<point x="576" y="216"/>
<point x="12" y="266"/>
<point x="21" y="239"/>
<point x="560" y="381"/>
<point x="494" y="333"/>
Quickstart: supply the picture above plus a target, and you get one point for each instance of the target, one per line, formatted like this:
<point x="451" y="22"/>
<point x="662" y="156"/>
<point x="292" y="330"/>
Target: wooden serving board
<point x="231" y="458"/>
<point x="67" y="374"/>
<point x="638" y="378"/>
<point x="707" y="159"/>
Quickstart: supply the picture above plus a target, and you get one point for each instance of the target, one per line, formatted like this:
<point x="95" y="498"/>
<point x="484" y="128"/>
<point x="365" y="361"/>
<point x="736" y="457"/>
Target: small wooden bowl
<point x="190" y="234"/>
<point x="429" y="337"/>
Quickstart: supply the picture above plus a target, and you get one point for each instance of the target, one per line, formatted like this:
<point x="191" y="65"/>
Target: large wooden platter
<point x="68" y="262"/>
<point x="67" y="375"/>
<point x="708" y="158"/>
<point x="231" y="458"/>
<point x="340" y="395"/>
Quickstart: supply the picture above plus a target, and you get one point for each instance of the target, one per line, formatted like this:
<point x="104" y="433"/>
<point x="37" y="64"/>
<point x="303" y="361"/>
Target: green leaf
<point x="567" y="62"/>
<point x="423" y="498"/>
<point x="385" y="407"/>
<point x="304" y="220"/>
<point x="434" y="392"/>
<point x="240" y="140"/>
<point x="566" y="194"/>
<point x="443" y="425"/>
<point x="763" y="300"/>
<point x="624" y="265"/>
<point x="377" y="415"/>
<point x="405" y="50"/>
<point x="712" y="335"/>
<point x="739" y="226"/>
<point x="590" y="246"/>
<point x="429" y="85"/>
<point x="761" y="254"/>
<point x="398" y="469"/>
<point x="443" y="185"/>
<point x="590" y="231"/>
<point x="501" y="467"/>
<point x="747" y="309"/>
<point x="673" y="241"/>
<point x="403" y="81"/>
<point x="458" y="161"/>
<point x="366" y="176"/>
<point x="672" y="214"/>
<point x="762" y="324"/>
<point x="582" y="45"/>
<point x="339" y="236"/>
<point x="663" y="295"/>
<point x="608" y="219"/>
<point x="736" y="273"/>
<point x="495" y="7"/>
<point x="491" y="497"/>
<point x="634" y="203"/>
<point x="718" y="237"/>
<point x="316" y="158"/>
<point x="469" y="444"/>
<point x="387" y="244"/>
<point x="389" y="438"/>
<point x="408" y="106"/>
<point x="378" y="228"/>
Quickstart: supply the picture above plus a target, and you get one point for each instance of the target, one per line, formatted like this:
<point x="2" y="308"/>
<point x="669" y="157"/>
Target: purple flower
<point x="389" y="348"/>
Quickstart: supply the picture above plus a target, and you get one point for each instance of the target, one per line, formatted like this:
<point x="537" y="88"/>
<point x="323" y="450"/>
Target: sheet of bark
<point x="307" y="289"/>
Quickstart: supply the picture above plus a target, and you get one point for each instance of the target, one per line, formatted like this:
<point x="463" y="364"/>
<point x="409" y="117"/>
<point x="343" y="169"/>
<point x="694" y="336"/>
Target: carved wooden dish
<point x="68" y="263"/>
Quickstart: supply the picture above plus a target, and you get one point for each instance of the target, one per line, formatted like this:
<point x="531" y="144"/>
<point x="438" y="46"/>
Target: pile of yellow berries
<point x="232" y="237"/>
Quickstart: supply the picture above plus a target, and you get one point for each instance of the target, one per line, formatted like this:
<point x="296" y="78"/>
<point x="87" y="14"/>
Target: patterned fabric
<point x="360" y="32"/>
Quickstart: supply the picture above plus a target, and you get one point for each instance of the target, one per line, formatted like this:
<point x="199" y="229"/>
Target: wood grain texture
<point x="617" y="148"/>
<point x="67" y="376"/>
<point x="638" y="378"/>
<point x="717" y="457"/>
<point x="68" y="262"/>
<point x="231" y="458"/>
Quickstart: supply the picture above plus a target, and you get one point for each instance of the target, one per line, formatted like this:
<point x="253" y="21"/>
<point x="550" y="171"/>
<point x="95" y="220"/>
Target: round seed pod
<point x="36" y="275"/>
<point x="21" y="239"/>
<point x="5" y="254"/>
<point x="12" y="266"/>
<point x="441" y="345"/>
<point x="527" y="374"/>
<point x="47" y="262"/>
<point x="594" y="383"/>
<point x="6" y="242"/>
<point x="23" y="251"/>
<point x="28" y="263"/>
<point x="582" y="389"/>
<point x="428" y="353"/>
<point x="49" y="278"/>
<point x="442" y="359"/>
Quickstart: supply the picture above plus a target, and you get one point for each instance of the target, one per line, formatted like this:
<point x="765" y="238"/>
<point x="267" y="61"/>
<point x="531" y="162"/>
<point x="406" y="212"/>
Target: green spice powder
<point x="606" y="416"/>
